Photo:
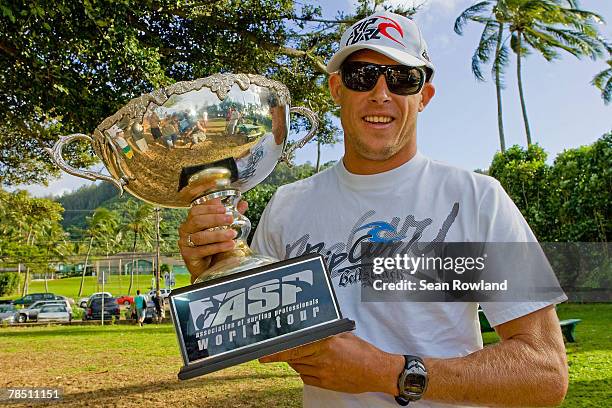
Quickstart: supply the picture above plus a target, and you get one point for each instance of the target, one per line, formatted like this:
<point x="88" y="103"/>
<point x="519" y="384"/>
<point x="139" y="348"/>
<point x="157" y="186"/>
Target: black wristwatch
<point x="412" y="382"/>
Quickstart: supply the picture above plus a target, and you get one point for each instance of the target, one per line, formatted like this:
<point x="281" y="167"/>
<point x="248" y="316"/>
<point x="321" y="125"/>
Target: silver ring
<point x="190" y="242"/>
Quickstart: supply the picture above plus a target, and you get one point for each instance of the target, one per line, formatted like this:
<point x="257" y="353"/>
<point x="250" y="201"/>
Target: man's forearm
<point x="511" y="373"/>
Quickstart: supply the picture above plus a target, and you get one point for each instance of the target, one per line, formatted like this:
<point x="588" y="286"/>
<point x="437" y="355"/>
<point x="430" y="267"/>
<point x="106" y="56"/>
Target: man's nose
<point x="380" y="93"/>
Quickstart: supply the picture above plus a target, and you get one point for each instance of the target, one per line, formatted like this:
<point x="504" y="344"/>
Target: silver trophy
<point x="218" y="137"/>
<point x="215" y="137"/>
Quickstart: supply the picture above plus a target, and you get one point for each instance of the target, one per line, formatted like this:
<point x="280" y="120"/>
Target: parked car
<point x="94" y="309"/>
<point x="27" y="300"/>
<point x="31" y="313"/>
<point x="7" y="313"/>
<point x="163" y="292"/>
<point x="83" y="301"/>
<point x="54" y="313"/>
<point x="125" y="300"/>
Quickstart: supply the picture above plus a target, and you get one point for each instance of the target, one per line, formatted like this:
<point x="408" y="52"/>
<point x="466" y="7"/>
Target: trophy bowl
<point x="214" y="137"/>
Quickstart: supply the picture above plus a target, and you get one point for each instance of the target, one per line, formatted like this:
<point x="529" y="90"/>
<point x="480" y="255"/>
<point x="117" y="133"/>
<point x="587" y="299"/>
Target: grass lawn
<point x="116" y="284"/>
<point x="124" y="366"/>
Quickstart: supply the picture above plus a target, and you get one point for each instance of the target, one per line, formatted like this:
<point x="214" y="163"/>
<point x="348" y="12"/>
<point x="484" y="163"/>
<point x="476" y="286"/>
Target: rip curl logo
<point x="380" y="231"/>
<point x="366" y="31"/>
<point x="345" y="260"/>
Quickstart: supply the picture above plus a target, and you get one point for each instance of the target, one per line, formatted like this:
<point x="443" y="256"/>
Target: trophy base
<point x="270" y="347"/>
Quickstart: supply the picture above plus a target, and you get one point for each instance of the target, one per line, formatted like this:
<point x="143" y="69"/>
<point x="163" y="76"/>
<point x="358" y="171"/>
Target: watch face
<point x="415" y="383"/>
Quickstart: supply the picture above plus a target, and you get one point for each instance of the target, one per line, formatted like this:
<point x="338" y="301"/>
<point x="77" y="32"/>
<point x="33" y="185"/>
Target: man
<point x="381" y="79"/>
<point x="141" y="307"/>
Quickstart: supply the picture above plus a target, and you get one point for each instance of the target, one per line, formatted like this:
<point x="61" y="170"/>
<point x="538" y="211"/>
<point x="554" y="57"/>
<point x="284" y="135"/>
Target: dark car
<point x="35" y="297"/>
<point x="94" y="309"/>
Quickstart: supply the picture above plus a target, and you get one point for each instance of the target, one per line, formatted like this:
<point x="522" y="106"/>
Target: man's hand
<point x="344" y="363"/>
<point x="207" y="243"/>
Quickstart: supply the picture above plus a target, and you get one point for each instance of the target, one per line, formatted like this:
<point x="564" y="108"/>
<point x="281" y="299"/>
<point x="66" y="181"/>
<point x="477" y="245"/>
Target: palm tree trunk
<point x="500" y="119"/>
<point x="85" y="267"/>
<point x="25" y="289"/>
<point x="318" y="166"/>
<point x="520" y="85"/>
<point x="133" y="259"/>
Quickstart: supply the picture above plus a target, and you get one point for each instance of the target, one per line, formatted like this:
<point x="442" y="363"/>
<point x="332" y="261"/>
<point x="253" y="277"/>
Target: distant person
<point x="233" y="117"/>
<point x="158" y="301"/>
<point x="141" y="306"/>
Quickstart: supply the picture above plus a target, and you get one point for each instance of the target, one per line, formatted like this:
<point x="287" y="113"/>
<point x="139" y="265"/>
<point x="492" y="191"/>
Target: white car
<point x="31" y="313"/>
<point x="54" y="313"/>
<point x="163" y="292"/>
<point x="83" y="301"/>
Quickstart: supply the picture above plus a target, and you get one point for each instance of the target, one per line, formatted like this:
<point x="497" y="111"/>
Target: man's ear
<point x="335" y="85"/>
<point x="428" y="92"/>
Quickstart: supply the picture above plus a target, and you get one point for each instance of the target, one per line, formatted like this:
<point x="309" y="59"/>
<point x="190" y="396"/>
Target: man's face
<point x="378" y="124"/>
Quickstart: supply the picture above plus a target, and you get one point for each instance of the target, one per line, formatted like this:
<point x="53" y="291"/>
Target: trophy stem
<point x="241" y="257"/>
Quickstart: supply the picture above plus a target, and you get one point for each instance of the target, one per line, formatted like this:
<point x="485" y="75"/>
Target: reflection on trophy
<point x="215" y="137"/>
<point x="218" y="137"/>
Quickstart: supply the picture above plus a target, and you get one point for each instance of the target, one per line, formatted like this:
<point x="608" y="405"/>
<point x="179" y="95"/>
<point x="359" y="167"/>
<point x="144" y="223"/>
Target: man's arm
<point x="528" y="367"/>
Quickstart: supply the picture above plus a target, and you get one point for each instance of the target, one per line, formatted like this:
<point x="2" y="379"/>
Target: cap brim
<point x="401" y="57"/>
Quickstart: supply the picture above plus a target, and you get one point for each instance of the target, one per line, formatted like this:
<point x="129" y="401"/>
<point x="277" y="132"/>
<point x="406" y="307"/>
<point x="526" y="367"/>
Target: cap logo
<point x="382" y="27"/>
<point x="365" y="31"/>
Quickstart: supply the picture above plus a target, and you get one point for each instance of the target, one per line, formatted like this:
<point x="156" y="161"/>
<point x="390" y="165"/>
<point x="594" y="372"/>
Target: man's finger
<point x="243" y="206"/>
<point x="202" y="222"/>
<point x="203" y="209"/>
<point x="206" y="250"/>
<point x="291" y="354"/>
<point x="208" y="237"/>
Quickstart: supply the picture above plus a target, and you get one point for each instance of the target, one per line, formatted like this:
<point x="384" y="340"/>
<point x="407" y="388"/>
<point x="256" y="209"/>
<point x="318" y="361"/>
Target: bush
<point x="9" y="283"/>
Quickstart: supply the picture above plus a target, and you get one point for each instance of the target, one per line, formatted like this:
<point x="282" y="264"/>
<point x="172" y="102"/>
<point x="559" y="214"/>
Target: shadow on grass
<point x="203" y="392"/>
<point x="54" y="331"/>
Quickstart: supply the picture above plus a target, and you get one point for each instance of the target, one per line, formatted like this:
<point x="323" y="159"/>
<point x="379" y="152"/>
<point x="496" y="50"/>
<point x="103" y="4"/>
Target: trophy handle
<point x="56" y="156"/>
<point x="314" y="126"/>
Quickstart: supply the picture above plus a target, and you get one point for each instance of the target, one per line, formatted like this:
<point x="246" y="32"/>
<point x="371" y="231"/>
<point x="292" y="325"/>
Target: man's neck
<point x="357" y="164"/>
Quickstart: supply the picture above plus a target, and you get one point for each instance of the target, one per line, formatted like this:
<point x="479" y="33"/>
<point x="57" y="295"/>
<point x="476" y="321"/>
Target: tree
<point x="546" y="26"/>
<point x="486" y="12"/>
<point x="28" y="226"/>
<point x="101" y="227"/>
<point x="603" y="81"/>
<point x="67" y="78"/>
<point x="139" y="222"/>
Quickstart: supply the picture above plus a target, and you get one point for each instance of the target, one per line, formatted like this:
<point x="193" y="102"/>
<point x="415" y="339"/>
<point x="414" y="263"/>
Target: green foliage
<point x="580" y="181"/>
<point x="71" y="64"/>
<point x="523" y="173"/>
<point x="9" y="282"/>
<point x="258" y="198"/>
<point x="568" y="202"/>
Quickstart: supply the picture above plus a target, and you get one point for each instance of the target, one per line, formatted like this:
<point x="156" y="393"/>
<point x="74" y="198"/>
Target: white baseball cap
<point x="391" y="34"/>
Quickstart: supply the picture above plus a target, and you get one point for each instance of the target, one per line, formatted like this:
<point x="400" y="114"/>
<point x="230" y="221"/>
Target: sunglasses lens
<point x="404" y="80"/>
<point x="401" y="80"/>
<point x="359" y="77"/>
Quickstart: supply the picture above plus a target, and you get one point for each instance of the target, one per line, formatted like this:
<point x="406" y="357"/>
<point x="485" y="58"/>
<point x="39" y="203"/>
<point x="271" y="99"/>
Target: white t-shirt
<point x="325" y="214"/>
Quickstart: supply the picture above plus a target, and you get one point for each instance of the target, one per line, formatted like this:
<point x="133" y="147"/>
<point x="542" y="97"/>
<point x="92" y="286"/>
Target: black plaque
<point x="251" y="314"/>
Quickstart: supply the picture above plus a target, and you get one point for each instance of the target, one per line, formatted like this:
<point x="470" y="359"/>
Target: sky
<point x="459" y="126"/>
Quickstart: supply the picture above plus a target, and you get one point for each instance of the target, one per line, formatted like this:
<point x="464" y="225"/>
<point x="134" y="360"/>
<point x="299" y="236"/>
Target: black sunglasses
<point x="401" y="80"/>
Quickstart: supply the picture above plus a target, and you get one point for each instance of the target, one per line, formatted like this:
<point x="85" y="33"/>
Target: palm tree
<point x="546" y="26"/>
<point x="139" y="223"/>
<point x="100" y="223"/>
<point x="603" y="81"/>
<point x="492" y="38"/>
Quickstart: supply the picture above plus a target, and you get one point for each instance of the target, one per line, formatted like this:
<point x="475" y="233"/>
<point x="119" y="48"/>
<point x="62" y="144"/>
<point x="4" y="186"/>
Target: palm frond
<point x="603" y="81"/>
<point x="487" y="43"/>
<point x="469" y="14"/>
